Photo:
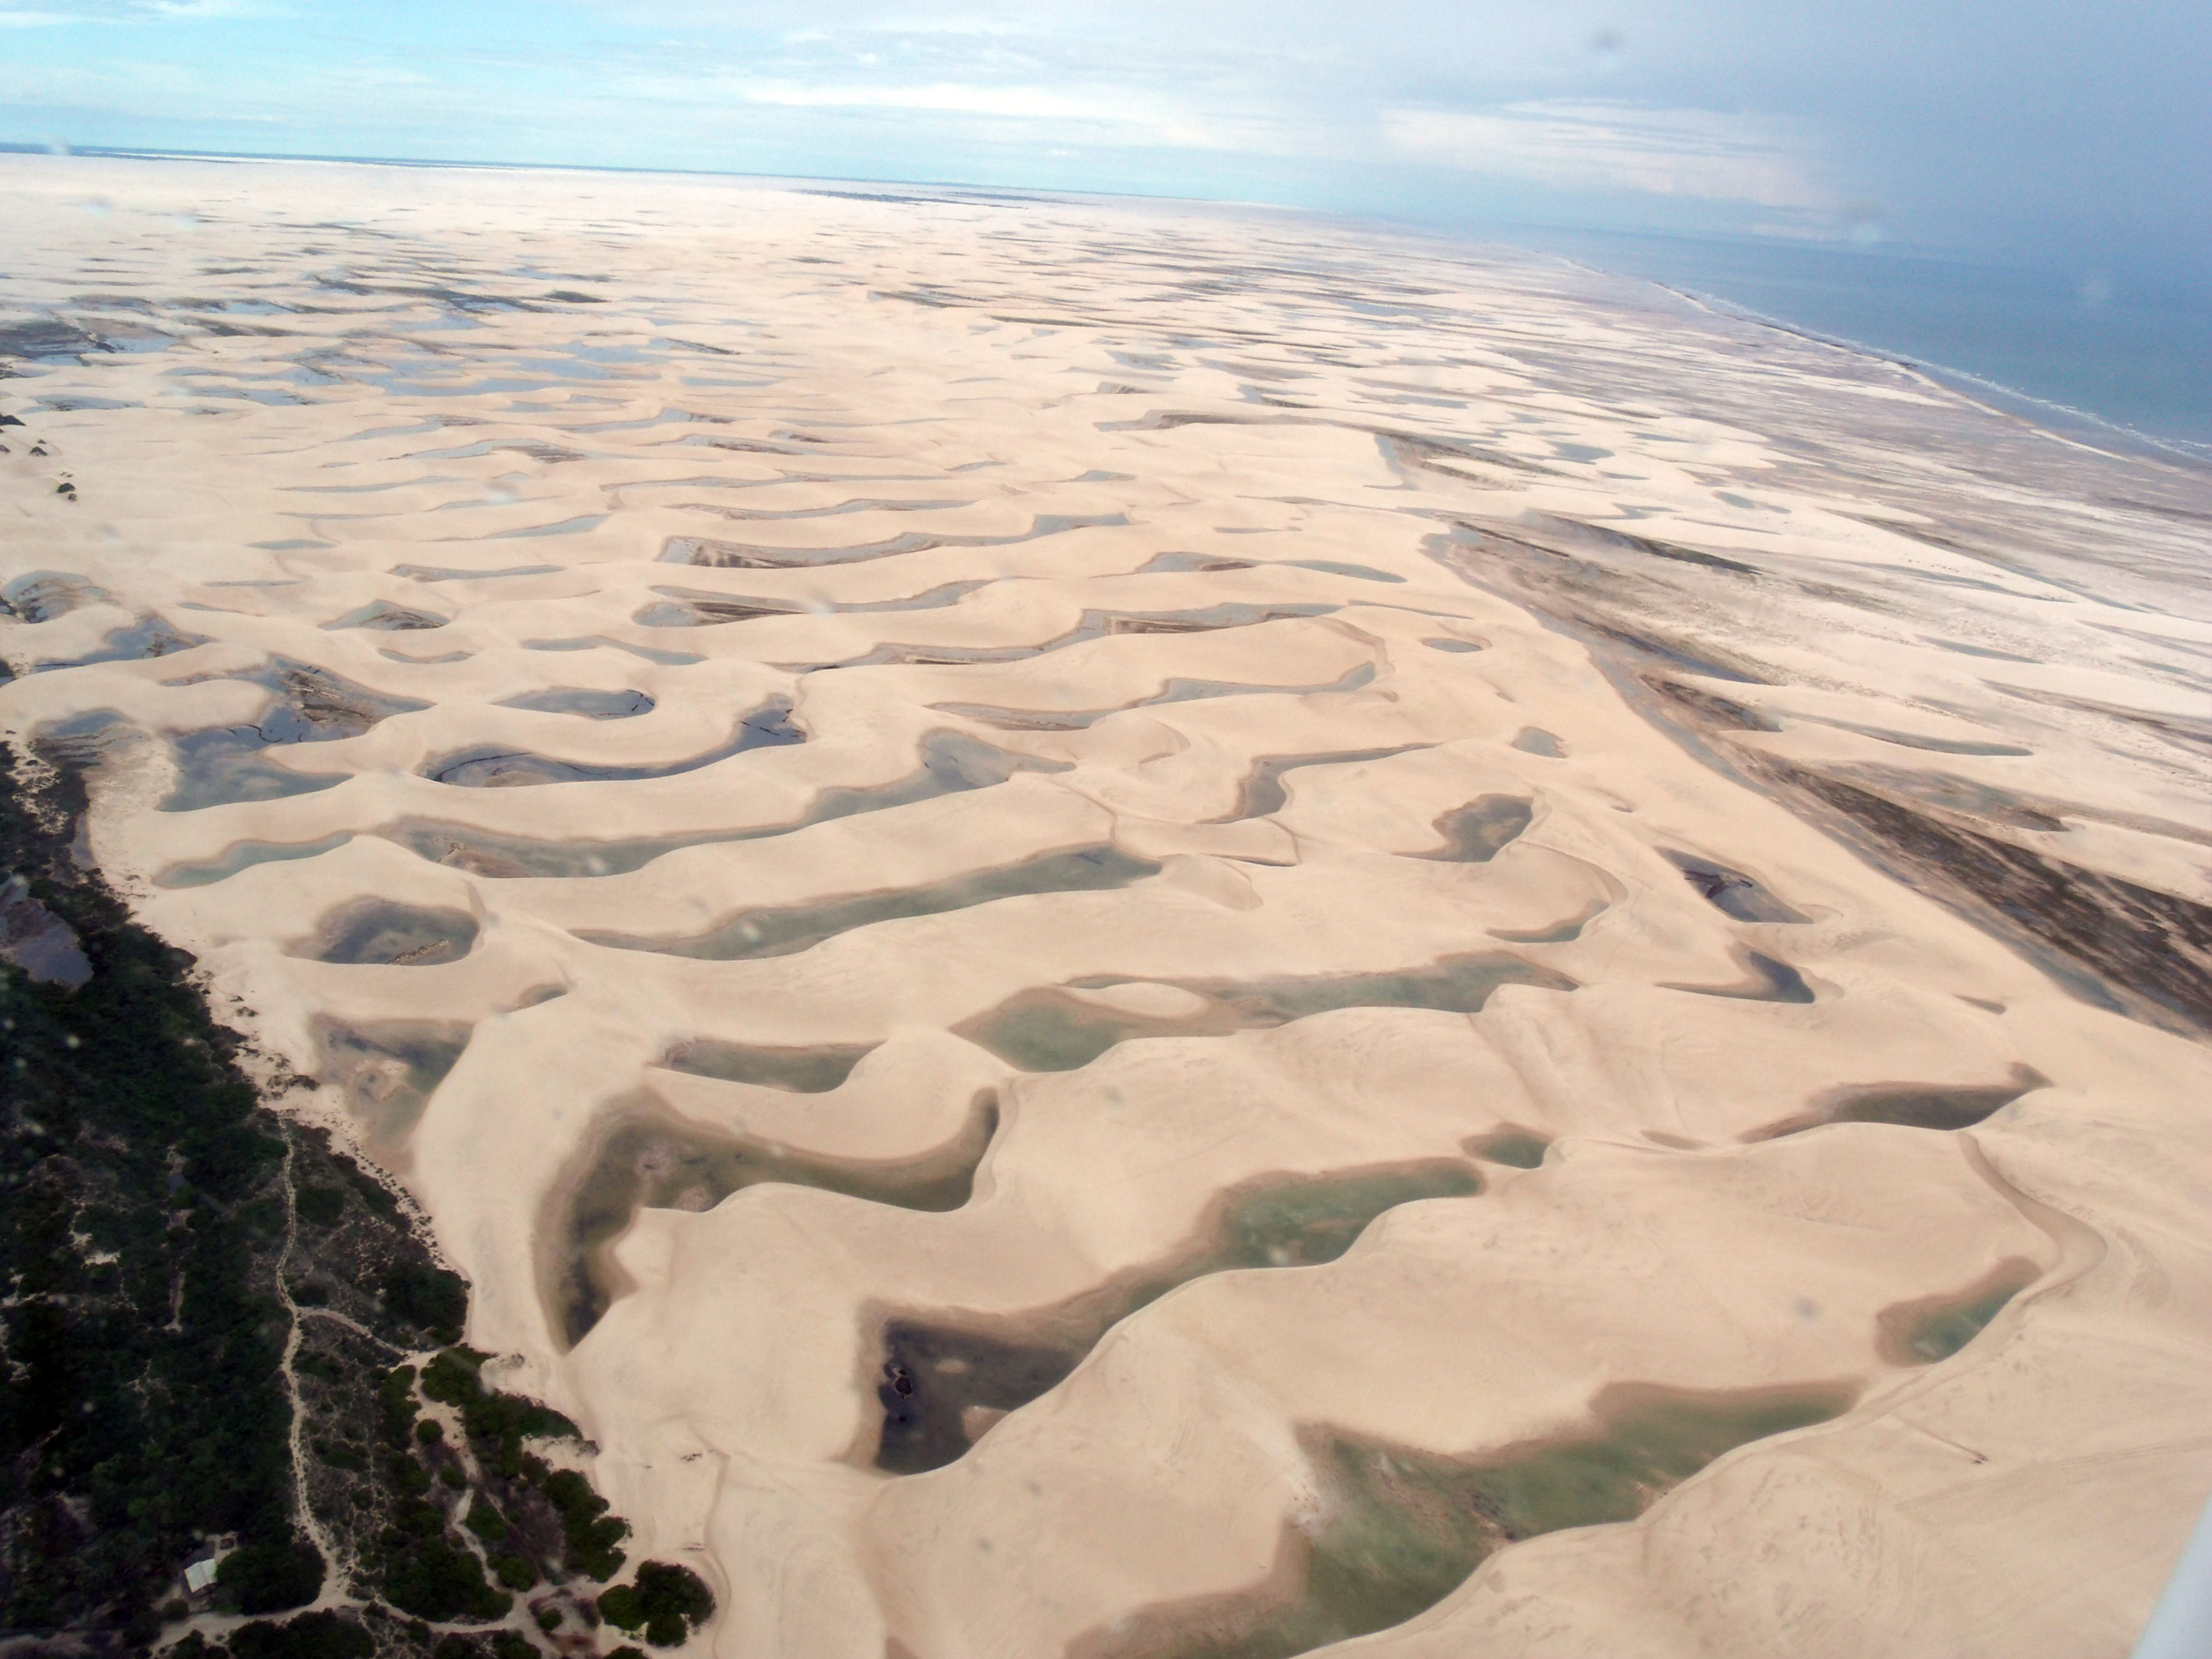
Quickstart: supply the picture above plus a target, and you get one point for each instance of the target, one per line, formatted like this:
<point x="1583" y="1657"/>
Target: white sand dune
<point x="1075" y="757"/>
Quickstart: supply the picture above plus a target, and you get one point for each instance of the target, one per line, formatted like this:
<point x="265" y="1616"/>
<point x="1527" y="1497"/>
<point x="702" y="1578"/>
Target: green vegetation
<point x="171" y="1236"/>
<point x="432" y="1579"/>
<point x="665" y="1601"/>
<point x="589" y="1531"/>
<point x="311" y="1636"/>
<point x="269" y="1578"/>
<point x="141" y="1191"/>
<point x="497" y="1424"/>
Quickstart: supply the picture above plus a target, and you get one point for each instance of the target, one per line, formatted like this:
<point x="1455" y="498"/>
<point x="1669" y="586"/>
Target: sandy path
<point x="1421" y="702"/>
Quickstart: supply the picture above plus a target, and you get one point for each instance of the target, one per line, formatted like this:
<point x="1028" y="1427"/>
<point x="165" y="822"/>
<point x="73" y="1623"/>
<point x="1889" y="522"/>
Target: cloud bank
<point x="2036" y="129"/>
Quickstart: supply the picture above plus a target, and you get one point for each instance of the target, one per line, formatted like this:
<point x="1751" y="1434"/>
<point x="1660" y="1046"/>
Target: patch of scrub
<point x="799" y="927"/>
<point x="2093" y="931"/>
<point x="943" y="1383"/>
<point x="1730" y="891"/>
<point x="389" y="1071"/>
<point x="768" y="727"/>
<point x="1057" y="1028"/>
<point x="648" y="1158"/>
<point x="378" y="931"/>
<point x="1404" y="1528"/>
<point x="950" y="762"/>
<point x="1478" y="832"/>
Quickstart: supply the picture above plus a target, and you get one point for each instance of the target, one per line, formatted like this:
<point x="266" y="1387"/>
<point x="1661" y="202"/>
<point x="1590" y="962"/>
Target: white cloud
<point x="1010" y="111"/>
<point x="1598" y="145"/>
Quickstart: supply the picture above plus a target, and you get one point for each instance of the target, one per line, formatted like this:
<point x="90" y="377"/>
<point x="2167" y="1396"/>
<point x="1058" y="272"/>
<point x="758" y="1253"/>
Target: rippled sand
<point x="1128" y="931"/>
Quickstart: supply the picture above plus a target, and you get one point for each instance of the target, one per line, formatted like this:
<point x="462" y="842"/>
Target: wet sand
<point x="1450" y="957"/>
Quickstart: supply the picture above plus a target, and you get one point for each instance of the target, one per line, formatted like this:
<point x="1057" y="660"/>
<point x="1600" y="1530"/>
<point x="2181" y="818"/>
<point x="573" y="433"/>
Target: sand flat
<point x="1734" y="807"/>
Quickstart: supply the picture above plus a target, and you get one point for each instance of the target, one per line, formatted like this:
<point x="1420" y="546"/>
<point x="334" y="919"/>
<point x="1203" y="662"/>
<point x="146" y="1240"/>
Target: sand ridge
<point x="1249" y="718"/>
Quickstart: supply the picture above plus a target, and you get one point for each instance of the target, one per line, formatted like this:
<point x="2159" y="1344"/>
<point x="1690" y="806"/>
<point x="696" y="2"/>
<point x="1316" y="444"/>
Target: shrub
<point x="487" y="1523"/>
<point x="269" y="1578"/>
<point x="311" y="1636"/>
<point x="320" y="1205"/>
<point x="623" y="1608"/>
<point x="591" y="1532"/>
<point x="514" y="1571"/>
<point x="666" y="1602"/>
<point x="436" y="1581"/>
<point x="430" y="1298"/>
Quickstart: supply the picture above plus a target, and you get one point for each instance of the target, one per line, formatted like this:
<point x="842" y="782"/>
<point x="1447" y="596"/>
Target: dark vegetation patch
<point x="664" y="1602"/>
<point x="2154" y="946"/>
<point x="141" y="1193"/>
<point x="169" y="1237"/>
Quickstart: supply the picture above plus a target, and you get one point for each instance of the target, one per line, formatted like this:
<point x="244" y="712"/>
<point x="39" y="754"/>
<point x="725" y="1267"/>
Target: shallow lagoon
<point x="1055" y="1029"/>
<point x="944" y="1382"/>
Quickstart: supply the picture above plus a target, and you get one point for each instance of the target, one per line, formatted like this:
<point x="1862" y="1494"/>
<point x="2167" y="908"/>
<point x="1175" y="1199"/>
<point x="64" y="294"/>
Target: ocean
<point x="2096" y="352"/>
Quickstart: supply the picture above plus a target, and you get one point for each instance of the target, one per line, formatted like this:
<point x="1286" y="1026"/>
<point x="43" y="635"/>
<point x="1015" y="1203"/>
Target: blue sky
<point x="2064" y="136"/>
